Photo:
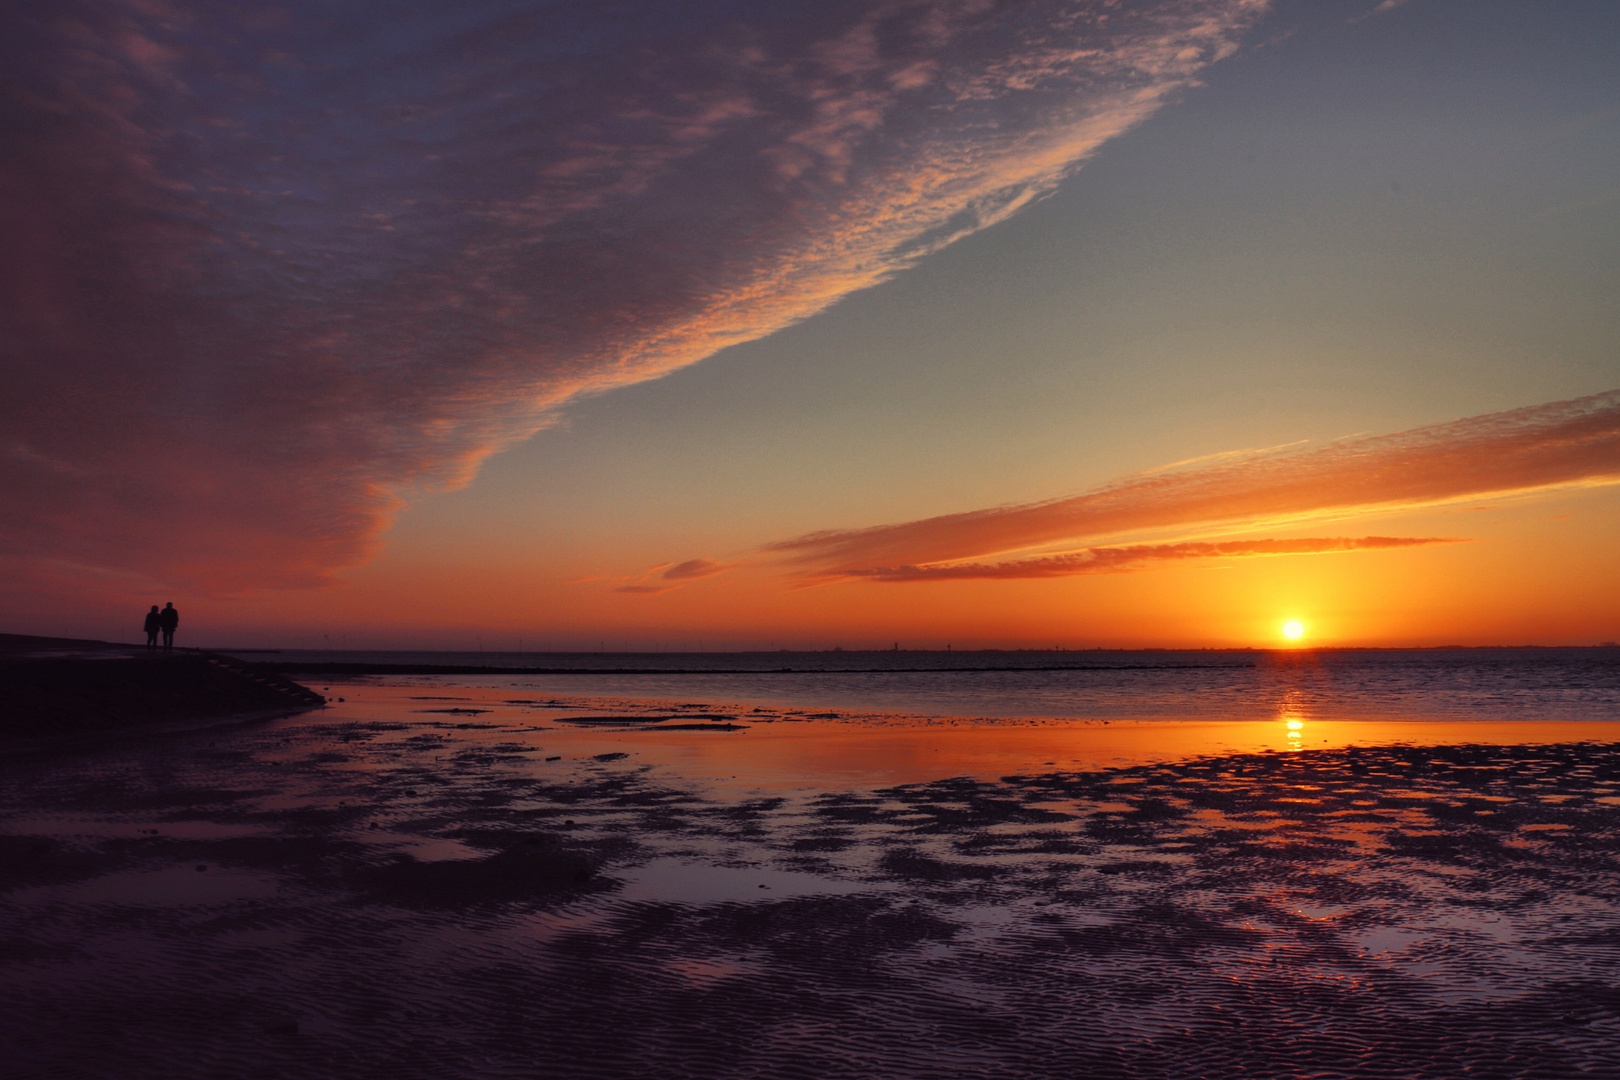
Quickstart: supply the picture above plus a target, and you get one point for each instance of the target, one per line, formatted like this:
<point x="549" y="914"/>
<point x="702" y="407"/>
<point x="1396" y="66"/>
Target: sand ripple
<point x="412" y="900"/>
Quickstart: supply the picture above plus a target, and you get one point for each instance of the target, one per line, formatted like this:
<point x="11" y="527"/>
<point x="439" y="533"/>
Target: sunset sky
<point x="694" y="324"/>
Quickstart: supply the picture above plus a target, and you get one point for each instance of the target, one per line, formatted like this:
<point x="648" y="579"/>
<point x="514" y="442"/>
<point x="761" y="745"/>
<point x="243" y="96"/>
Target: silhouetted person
<point x="168" y="619"/>
<point x="154" y="623"/>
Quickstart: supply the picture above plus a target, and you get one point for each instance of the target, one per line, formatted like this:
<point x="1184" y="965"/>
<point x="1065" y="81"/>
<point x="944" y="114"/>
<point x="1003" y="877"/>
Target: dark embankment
<point x="51" y="686"/>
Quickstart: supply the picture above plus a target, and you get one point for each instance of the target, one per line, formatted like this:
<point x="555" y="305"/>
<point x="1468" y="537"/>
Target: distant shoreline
<point x="340" y="668"/>
<point x="1247" y="650"/>
<point x="357" y="662"/>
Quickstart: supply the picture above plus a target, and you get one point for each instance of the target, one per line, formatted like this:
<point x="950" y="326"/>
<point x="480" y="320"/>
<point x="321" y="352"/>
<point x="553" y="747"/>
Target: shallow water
<point x="1244" y="684"/>
<point x="581" y="886"/>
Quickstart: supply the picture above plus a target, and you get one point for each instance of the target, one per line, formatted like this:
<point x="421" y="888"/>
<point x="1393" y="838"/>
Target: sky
<point x="701" y="325"/>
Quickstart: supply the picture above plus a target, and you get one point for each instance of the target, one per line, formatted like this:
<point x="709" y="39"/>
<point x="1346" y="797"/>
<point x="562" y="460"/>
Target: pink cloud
<point x="265" y="277"/>
<point x="1544" y="446"/>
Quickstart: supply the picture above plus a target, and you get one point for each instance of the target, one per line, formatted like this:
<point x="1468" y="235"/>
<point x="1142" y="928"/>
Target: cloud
<point x="1544" y="446"/>
<point x="1382" y="8"/>
<point x="1112" y="560"/>
<point x="692" y="569"/>
<point x="267" y="272"/>
<point x="645" y="590"/>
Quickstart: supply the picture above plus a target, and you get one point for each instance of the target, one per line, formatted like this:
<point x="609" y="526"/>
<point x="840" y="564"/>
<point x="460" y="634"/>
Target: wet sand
<point x="448" y="881"/>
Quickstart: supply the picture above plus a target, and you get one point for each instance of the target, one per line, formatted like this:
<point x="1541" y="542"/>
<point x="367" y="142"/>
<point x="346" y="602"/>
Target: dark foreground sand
<point x="59" y="688"/>
<point x="429" y="896"/>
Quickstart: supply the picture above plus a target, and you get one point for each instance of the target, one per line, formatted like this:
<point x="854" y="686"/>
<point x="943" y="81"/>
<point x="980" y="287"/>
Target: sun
<point x="1293" y="629"/>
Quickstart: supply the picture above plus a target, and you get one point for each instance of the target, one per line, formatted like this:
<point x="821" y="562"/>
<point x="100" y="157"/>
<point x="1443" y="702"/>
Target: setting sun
<point x="849" y="470"/>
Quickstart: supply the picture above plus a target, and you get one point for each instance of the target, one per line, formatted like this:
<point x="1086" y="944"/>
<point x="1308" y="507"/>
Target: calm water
<point x="1451" y="684"/>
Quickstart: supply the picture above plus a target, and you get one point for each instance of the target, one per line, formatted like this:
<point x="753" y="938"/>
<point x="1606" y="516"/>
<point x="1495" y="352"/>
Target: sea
<point x="1451" y="684"/>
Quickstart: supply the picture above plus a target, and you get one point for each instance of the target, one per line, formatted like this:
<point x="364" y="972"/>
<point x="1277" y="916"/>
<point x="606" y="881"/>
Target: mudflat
<point x="435" y="881"/>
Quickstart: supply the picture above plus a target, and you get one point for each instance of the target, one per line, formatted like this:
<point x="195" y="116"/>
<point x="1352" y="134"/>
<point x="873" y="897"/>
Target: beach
<point x="462" y="877"/>
<point x="922" y="540"/>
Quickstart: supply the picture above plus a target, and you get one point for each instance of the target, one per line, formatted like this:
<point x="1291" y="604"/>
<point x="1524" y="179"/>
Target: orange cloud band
<point x="692" y="569"/>
<point x="1105" y="560"/>
<point x="1543" y="446"/>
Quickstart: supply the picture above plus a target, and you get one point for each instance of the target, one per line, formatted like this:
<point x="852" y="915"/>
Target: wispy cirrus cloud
<point x="692" y="569"/>
<point x="269" y="270"/>
<point x="1540" y="447"/>
<point x="678" y="573"/>
<point x="1114" y="560"/>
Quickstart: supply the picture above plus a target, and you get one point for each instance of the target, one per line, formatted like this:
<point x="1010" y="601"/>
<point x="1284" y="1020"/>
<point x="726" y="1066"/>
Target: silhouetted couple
<point x="166" y="621"/>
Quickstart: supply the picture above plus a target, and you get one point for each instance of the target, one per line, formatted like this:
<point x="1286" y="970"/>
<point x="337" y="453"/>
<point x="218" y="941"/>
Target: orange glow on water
<point x="884" y="749"/>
